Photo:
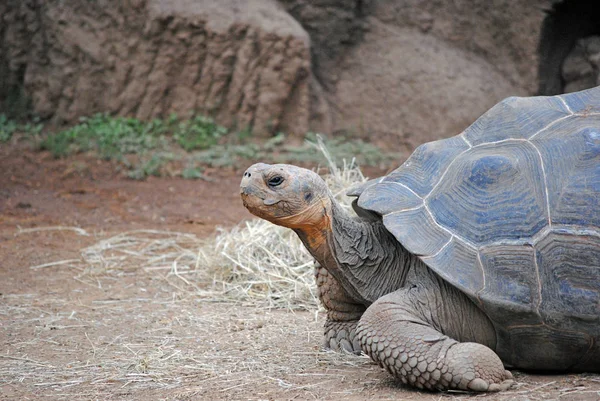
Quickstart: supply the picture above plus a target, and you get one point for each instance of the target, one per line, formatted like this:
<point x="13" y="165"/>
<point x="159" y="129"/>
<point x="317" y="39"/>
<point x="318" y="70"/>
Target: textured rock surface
<point x="427" y="90"/>
<point x="581" y="68"/>
<point x="505" y="33"/>
<point x="246" y="64"/>
<point x="423" y="70"/>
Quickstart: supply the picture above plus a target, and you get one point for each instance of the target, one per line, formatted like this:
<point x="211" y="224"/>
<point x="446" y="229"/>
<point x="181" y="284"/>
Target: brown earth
<point x="133" y="337"/>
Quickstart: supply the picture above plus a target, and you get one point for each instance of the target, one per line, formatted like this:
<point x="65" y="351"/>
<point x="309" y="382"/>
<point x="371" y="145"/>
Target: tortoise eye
<point x="275" y="181"/>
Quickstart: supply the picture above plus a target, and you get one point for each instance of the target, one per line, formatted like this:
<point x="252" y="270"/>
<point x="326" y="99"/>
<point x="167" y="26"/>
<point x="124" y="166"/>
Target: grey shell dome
<point x="509" y="212"/>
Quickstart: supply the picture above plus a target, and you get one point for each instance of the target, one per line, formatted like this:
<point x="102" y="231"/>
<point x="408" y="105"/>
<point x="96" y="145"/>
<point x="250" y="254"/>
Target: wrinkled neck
<point x="370" y="257"/>
<point x="362" y="255"/>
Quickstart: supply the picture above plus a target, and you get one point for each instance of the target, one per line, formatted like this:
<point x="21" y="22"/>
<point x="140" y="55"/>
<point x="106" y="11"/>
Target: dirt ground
<point x="133" y="337"/>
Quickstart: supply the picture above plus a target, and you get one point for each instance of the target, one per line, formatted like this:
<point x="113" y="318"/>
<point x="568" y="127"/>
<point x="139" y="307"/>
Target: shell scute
<point x="516" y="118"/>
<point x="388" y="197"/>
<point x="426" y="166"/>
<point x="512" y="287"/>
<point x="570" y="274"/>
<point x="584" y="102"/>
<point x="570" y="154"/>
<point x="492" y="192"/>
<point x="417" y="231"/>
<point x="465" y="272"/>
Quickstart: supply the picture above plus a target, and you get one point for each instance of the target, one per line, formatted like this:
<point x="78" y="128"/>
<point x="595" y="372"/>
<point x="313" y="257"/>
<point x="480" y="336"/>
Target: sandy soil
<point x="133" y="336"/>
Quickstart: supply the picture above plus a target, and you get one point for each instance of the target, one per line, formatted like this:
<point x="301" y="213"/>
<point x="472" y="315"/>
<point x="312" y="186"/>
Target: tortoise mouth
<point x="251" y="201"/>
<point x="244" y="200"/>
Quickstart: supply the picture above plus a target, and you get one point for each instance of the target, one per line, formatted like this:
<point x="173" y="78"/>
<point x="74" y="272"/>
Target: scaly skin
<point x="342" y="313"/>
<point x="425" y="358"/>
<point x="399" y="334"/>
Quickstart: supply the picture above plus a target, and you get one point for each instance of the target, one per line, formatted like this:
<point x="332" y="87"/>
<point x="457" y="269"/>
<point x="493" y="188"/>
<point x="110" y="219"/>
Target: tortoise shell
<point x="509" y="213"/>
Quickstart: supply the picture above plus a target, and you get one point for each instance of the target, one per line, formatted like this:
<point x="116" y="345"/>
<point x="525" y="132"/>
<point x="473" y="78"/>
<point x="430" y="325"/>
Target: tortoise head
<point x="287" y="195"/>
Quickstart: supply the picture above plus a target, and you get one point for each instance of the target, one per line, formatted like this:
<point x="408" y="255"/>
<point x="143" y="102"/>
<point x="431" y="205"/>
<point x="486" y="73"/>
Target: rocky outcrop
<point x="245" y="63"/>
<point x="14" y="55"/>
<point x="428" y="89"/>
<point x="406" y="72"/>
<point x="581" y="68"/>
<point x="504" y="33"/>
<point x="334" y="26"/>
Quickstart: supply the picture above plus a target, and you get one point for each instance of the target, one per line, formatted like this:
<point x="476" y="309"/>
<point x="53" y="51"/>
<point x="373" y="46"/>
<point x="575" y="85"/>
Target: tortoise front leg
<point x="343" y="313"/>
<point x="396" y="335"/>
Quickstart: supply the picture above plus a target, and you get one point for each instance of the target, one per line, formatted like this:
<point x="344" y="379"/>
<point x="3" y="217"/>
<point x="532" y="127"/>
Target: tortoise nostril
<point x="247" y="174"/>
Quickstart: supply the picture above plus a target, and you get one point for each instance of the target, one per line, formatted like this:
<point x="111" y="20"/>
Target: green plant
<point x="58" y="145"/>
<point x="111" y="137"/>
<point x="228" y="155"/>
<point x="144" y="147"/>
<point x="7" y="128"/>
<point x="151" y="166"/>
<point x="32" y="129"/>
<point x="192" y="173"/>
<point x="343" y="148"/>
<point x="245" y="133"/>
<point x="198" y="133"/>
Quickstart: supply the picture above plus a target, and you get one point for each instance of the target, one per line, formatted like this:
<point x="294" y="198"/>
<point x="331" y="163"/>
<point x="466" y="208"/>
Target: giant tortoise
<point x="480" y="253"/>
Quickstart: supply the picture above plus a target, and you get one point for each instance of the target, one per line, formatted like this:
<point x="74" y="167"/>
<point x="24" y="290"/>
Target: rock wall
<point x="410" y="71"/>
<point x="505" y="33"/>
<point x="581" y="69"/>
<point x="568" y="21"/>
<point x="428" y="89"/>
<point x="14" y="45"/>
<point x="245" y="63"/>
<point x="395" y="72"/>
